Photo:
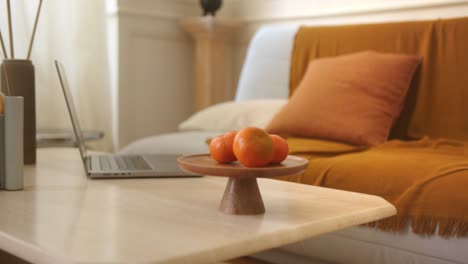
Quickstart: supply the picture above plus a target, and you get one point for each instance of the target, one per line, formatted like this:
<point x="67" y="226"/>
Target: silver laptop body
<point x="117" y="166"/>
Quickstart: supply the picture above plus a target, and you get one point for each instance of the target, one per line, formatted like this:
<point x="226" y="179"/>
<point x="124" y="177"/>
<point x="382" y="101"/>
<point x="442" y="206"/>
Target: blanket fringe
<point x="423" y="225"/>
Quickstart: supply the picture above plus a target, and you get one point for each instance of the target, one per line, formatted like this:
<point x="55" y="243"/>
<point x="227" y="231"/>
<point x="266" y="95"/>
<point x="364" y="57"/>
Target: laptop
<point x="115" y="165"/>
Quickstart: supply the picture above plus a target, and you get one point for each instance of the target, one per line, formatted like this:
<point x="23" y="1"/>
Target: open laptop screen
<point x="71" y="110"/>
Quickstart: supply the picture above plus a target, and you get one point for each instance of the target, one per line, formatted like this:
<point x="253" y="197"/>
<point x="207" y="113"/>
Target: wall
<point x="155" y="57"/>
<point x="284" y="10"/>
<point x="154" y="76"/>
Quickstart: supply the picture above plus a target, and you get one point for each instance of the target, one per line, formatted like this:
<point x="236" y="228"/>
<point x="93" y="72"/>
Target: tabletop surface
<point x="63" y="217"/>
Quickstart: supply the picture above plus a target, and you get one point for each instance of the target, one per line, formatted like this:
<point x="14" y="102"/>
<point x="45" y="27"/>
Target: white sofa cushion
<point x="190" y="142"/>
<point x="234" y="115"/>
<point x="265" y="73"/>
<point x="366" y="245"/>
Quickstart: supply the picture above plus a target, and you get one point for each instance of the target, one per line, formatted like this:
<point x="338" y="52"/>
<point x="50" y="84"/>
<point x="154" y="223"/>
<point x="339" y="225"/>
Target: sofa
<point x="263" y="89"/>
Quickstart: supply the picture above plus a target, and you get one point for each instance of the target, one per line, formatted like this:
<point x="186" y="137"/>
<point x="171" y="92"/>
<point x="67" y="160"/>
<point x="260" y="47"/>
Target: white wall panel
<point x="155" y="73"/>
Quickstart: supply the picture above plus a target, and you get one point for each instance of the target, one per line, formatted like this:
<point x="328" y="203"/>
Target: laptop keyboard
<point x="112" y="163"/>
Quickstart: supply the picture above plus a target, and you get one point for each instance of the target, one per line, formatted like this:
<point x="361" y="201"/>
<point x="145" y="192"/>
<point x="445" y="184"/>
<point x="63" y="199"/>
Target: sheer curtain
<point x="74" y="32"/>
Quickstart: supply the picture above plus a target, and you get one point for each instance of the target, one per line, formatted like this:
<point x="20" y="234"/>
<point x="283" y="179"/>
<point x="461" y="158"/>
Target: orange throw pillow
<point x="353" y="98"/>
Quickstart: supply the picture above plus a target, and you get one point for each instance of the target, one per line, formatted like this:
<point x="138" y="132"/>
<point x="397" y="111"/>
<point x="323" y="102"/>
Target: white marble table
<point x="62" y="217"/>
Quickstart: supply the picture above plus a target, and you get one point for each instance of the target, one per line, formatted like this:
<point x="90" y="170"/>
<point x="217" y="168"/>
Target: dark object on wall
<point x="210" y="6"/>
<point x="21" y="83"/>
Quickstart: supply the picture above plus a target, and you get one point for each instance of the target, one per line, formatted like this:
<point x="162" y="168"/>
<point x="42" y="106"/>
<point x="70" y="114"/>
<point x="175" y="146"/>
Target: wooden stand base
<point x="242" y="197"/>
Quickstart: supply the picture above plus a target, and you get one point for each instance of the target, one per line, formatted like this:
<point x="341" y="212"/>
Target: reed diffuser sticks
<point x="10" y="31"/>
<point x="4" y="52"/>
<point x="34" y="29"/>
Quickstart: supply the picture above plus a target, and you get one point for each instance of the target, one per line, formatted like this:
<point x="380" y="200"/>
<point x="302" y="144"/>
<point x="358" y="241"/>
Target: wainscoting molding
<point x="155" y="70"/>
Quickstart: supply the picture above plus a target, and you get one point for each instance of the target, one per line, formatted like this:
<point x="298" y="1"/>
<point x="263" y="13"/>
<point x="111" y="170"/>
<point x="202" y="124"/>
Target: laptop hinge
<point x="89" y="166"/>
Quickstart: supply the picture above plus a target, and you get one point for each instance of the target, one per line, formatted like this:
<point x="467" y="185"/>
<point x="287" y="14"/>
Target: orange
<point x="253" y="147"/>
<point x="281" y="149"/>
<point x="221" y="148"/>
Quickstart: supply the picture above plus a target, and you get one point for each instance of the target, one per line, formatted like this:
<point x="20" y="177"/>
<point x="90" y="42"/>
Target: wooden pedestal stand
<point x="212" y="61"/>
<point x="242" y="195"/>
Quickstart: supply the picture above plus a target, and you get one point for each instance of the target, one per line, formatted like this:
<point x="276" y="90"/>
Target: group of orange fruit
<point x="251" y="146"/>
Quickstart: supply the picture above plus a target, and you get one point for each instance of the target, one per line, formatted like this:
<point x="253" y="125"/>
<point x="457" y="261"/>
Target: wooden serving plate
<point x="242" y="195"/>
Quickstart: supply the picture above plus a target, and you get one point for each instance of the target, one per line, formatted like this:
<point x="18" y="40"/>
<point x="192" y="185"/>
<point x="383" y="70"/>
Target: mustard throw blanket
<point x="426" y="180"/>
